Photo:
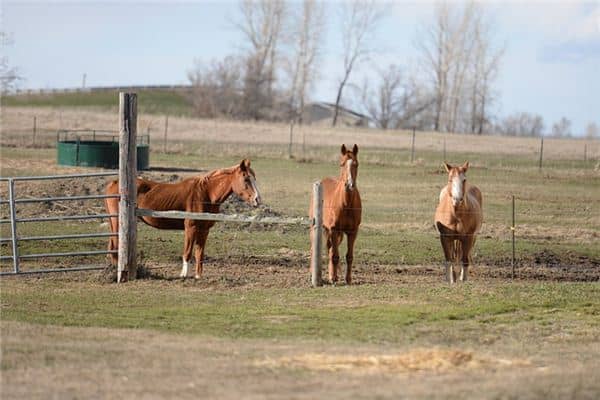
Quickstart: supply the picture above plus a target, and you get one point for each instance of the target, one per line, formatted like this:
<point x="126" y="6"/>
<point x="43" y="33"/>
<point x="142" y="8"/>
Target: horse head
<point x="349" y="166"/>
<point x="244" y="184"/>
<point x="456" y="182"/>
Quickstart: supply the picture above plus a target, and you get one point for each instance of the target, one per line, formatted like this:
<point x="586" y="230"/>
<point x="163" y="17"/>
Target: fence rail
<point x="13" y="220"/>
<point x="142" y="212"/>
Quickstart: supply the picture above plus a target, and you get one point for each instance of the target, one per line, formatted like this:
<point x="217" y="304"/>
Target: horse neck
<point x="218" y="186"/>
<point x="346" y="195"/>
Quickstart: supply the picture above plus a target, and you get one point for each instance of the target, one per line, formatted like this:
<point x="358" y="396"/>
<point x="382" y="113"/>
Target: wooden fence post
<point x="34" y="131"/>
<point x="316" y="235"/>
<point x="541" y="152"/>
<point x="512" y="229"/>
<point x="291" y="139"/>
<point x="127" y="266"/>
<point x="166" y="130"/>
<point x="412" y="147"/>
<point x="445" y="150"/>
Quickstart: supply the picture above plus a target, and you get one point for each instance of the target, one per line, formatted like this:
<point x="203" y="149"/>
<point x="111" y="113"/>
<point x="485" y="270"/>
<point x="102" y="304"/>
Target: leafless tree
<point x="216" y="88"/>
<point x="562" y="128"/>
<point x="261" y="24"/>
<point x="306" y="41"/>
<point x="592" y="131"/>
<point x="521" y="124"/>
<point x="383" y="102"/>
<point x="457" y="56"/>
<point x="9" y="76"/>
<point x="359" y="21"/>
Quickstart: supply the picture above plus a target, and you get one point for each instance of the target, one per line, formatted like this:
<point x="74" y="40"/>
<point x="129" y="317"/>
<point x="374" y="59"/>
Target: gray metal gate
<point x="13" y="221"/>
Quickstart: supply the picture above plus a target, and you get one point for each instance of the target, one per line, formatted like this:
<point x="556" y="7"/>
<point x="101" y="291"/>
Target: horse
<point x="196" y="194"/>
<point x="342" y="210"/>
<point x="458" y="218"/>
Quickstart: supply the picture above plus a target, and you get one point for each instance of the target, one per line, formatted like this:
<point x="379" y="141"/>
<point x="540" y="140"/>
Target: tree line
<point x="453" y="90"/>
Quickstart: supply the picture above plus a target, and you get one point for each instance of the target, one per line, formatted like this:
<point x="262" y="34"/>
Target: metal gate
<point x="13" y="221"/>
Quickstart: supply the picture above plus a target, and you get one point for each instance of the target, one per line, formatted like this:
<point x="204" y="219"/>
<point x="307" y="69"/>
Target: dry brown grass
<point x="193" y="129"/>
<point x="418" y="360"/>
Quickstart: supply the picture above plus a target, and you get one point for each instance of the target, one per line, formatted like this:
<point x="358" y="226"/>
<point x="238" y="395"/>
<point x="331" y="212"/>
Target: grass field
<point x="252" y="327"/>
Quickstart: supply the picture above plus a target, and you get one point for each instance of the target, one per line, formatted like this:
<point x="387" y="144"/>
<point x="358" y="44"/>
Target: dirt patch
<point x="418" y="360"/>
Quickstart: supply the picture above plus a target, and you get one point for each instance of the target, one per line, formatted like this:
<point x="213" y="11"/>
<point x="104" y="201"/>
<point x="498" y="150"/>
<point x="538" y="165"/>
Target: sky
<point x="551" y="64"/>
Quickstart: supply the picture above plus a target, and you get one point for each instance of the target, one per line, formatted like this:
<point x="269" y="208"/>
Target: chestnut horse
<point x="196" y="194"/>
<point x="341" y="212"/>
<point x="458" y="218"/>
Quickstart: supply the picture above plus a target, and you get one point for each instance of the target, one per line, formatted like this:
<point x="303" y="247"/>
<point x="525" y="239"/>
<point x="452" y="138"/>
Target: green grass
<point x="151" y="101"/>
<point x="558" y="210"/>
<point x="367" y="313"/>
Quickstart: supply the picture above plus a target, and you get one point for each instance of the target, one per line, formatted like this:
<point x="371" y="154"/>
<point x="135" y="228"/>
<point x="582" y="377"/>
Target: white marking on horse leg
<point x="184" y="269"/>
<point x="463" y="273"/>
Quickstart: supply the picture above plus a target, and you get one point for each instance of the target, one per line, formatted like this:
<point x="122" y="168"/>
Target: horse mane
<point x="203" y="180"/>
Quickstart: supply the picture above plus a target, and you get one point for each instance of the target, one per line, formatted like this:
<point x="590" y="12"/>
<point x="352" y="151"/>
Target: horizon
<point x="550" y="66"/>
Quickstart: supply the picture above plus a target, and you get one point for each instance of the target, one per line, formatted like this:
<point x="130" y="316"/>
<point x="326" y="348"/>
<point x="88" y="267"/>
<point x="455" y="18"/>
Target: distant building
<point x="321" y="113"/>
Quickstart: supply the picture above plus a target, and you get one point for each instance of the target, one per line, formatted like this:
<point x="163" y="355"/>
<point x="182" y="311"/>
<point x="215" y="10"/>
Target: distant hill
<point x="151" y="100"/>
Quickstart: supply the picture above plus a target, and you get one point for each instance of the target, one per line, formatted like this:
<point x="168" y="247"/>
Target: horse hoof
<point x="196" y="277"/>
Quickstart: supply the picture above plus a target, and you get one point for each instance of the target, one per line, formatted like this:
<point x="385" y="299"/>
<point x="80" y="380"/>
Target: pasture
<point x="252" y="327"/>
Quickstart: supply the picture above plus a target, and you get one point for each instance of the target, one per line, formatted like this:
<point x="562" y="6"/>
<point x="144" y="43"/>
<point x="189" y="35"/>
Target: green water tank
<point x="100" y="154"/>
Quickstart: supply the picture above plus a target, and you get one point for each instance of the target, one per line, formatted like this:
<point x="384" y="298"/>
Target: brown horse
<point x="197" y="194"/>
<point x="458" y="218"/>
<point x="341" y="212"/>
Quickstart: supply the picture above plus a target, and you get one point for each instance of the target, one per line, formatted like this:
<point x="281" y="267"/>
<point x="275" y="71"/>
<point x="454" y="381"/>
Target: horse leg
<point x="467" y="246"/>
<point x="201" y="236"/>
<point x="447" y="241"/>
<point x="334" y="256"/>
<point x="112" y="207"/>
<point x="351" y="237"/>
<point x="188" y="245"/>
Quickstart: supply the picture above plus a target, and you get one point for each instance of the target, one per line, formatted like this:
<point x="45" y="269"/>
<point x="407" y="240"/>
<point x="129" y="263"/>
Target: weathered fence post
<point x="13" y="224"/>
<point x="316" y="234"/>
<point x="585" y="152"/>
<point x="412" y="147"/>
<point x="512" y="229"/>
<point x="291" y="138"/>
<point x="166" y="130"/>
<point x="127" y="266"/>
<point x="541" y="152"/>
<point x="34" y="131"/>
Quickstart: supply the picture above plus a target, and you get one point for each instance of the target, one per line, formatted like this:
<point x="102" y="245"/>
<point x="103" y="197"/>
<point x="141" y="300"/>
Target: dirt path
<point x="64" y="362"/>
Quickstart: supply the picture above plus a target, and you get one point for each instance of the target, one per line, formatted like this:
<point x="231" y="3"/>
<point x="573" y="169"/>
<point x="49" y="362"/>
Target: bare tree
<point x="359" y="20"/>
<point x="262" y="25"/>
<point x="521" y="124"/>
<point x="307" y="41"/>
<point x="562" y="128"/>
<point x="457" y="56"/>
<point x="383" y="103"/>
<point x="9" y="76"/>
<point x="592" y="131"/>
<point x="485" y="67"/>
<point x="216" y="88"/>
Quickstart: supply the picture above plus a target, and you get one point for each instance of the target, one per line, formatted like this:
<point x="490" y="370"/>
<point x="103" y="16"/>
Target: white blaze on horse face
<point x="457" y="189"/>
<point x="256" y="200"/>
<point x="349" y="180"/>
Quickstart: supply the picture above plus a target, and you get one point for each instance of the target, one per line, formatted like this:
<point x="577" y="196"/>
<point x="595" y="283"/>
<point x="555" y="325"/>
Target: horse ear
<point x="355" y="149"/>
<point x="447" y="166"/>
<point x="343" y="149"/>
<point x="465" y="166"/>
<point x="245" y="164"/>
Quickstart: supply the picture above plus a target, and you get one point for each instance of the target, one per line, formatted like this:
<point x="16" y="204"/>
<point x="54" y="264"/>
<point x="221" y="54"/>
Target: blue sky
<point x="551" y="65"/>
